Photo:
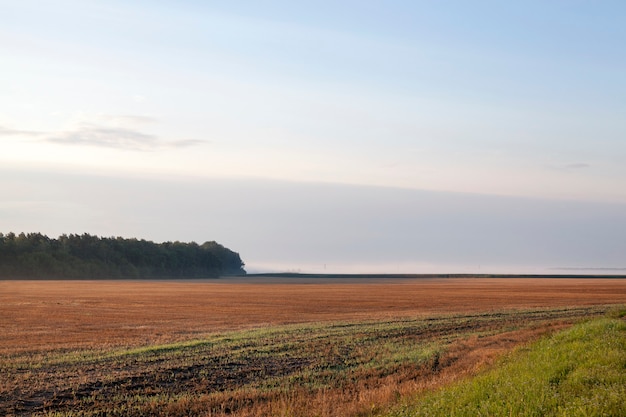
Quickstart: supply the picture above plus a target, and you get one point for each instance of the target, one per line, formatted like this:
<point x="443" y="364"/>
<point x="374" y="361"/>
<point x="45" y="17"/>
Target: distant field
<point x="315" y="347"/>
<point x="59" y="314"/>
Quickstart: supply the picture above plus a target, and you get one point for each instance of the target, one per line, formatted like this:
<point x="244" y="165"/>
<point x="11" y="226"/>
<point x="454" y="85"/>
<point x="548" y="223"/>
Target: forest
<point x="36" y="256"/>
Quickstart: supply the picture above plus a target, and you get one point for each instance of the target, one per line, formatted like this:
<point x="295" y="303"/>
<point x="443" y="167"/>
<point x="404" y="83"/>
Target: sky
<point x="337" y="136"/>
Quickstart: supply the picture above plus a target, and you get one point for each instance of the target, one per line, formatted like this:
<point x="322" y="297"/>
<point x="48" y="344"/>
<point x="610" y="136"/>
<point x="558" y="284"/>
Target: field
<point x="278" y="347"/>
<point x="576" y="372"/>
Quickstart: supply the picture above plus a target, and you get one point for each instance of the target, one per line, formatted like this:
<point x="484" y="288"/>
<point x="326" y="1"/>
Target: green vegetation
<point x="330" y="369"/>
<point x="578" y="372"/>
<point x="35" y="255"/>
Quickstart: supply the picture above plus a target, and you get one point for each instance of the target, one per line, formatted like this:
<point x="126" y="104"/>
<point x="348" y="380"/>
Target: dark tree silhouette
<point x="85" y="256"/>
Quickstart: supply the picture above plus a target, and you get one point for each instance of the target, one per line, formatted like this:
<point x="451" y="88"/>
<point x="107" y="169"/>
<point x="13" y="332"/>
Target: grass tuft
<point x="577" y="372"/>
<point x="326" y="369"/>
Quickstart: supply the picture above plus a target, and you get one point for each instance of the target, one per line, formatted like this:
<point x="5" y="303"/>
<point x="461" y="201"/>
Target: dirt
<point x="37" y="315"/>
<point x="40" y="318"/>
<point x="87" y="384"/>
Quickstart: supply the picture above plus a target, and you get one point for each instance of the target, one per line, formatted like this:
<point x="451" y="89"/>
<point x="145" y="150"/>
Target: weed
<point x="577" y="372"/>
<point x="352" y="364"/>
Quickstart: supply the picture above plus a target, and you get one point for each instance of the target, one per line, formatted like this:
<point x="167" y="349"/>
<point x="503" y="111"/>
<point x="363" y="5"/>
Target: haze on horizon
<point x="323" y="136"/>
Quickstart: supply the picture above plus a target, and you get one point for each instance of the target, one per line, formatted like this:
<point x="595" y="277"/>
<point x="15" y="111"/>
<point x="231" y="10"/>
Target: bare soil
<point x="59" y="338"/>
<point x="48" y="315"/>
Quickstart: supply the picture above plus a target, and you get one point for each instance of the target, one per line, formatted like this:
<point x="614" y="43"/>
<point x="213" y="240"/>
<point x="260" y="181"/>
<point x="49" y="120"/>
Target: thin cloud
<point x="107" y="137"/>
<point x="124" y="119"/>
<point x="570" y="167"/>
<point x="578" y="165"/>
<point x="4" y="131"/>
<point x="186" y="143"/>
<point x="117" y="138"/>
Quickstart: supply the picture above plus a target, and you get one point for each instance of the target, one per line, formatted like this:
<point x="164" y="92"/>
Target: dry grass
<point x="347" y="348"/>
<point x="37" y="315"/>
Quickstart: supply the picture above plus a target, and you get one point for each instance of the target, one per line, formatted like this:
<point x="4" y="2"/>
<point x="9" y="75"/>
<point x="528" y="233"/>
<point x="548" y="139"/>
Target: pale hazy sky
<point x="363" y="136"/>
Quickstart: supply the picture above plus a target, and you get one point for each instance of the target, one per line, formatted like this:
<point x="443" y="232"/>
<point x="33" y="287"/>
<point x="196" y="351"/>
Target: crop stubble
<point x="38" y="315"/>
<point x="42" y="320"/>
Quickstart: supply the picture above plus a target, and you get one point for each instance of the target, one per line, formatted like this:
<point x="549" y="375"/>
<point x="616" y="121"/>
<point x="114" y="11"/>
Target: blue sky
<point x="507" y="104"/>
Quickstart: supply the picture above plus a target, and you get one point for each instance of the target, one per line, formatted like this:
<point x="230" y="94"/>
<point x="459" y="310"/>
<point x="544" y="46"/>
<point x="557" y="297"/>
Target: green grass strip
<point x="577" y="372"/>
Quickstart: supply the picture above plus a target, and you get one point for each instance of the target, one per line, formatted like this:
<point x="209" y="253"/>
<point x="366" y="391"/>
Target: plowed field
<point x="38" y="315"/>
<point x="282" y="347"/>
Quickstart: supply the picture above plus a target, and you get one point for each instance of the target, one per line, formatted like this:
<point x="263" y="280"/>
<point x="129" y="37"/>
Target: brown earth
<point x="42" y="320"/>
<point x="36" y="315"/>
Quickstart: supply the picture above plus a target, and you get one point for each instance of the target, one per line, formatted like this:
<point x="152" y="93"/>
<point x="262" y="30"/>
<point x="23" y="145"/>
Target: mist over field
<point x="280" y="226"/>
<point x="387" y="137"/>
<point x="155" y="154"/>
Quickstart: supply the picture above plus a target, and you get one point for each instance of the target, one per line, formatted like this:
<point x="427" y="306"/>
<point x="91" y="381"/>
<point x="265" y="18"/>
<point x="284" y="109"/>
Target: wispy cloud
<point x="5" y="131"/>
<point x="577" y="165"/>
<point x="117" y="138"/>
<point x="126" y="119"/>
<point x="185" y="143"/>
<point x="120" y="138"/>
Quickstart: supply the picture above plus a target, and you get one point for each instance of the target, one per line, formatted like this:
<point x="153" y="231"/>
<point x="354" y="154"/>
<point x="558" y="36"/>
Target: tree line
<point x="36" y="256"/>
